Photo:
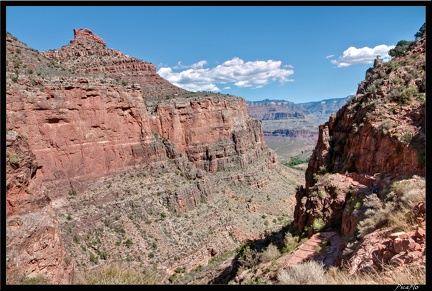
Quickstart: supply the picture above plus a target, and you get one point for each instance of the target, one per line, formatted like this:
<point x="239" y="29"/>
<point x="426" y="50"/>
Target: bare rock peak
<point x="88" y="35"/>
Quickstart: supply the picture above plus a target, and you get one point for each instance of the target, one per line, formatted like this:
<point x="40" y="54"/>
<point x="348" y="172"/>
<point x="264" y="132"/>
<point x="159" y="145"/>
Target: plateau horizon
<point x="294" y="53"/>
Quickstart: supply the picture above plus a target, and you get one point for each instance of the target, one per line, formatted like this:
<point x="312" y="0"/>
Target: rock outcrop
<point x="377" y="138"/>
<point x="87" y="53"/>
<point x="33" y="242"/>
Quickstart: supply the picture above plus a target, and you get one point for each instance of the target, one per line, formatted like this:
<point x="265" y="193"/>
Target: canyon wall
<point x="88" y="113"/>
<point x="378" y="137"/>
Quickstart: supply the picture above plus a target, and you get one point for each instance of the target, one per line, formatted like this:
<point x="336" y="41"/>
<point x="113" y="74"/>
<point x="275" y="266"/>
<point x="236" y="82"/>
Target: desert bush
<point x="270" y="253"/>
<point x="393" y="276"/>
<point x="314" y="273"/>
<point x="14" y="277"/>
<point x="307" y="273"/>
<point x="14" y="77"/>
<point x="395" y="211"/>
<point x="375" y="216"/>
<point x="249" y="257"/>
<point x="116" y="275"/>
<point x="318" y="224"/>
<point x="14" y="159"/>
<point x="290" y="242"/>
<point x="406" y="96"/>
<point x="386" y="125"/>
<point x="408" y="191"/>
<point x="406" y="137"/>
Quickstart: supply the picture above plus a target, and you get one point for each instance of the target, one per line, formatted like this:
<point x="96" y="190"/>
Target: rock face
<point x="33" y="240"/>
<point x="86" y="35"/>
<point x="84" y="127"/>
<point x="377" y="138"/>
<point x="92" y="115"/>
<point x="87" y="53"/>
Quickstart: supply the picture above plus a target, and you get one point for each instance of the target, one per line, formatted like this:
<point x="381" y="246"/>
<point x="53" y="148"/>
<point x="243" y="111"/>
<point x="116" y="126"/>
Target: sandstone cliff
<point x="125" y="162"/>
<point x="33" y="240"/>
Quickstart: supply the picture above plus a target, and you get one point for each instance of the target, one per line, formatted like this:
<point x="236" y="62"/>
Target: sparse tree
<point x="400" y="49"/>
<point x="421" y="31"/>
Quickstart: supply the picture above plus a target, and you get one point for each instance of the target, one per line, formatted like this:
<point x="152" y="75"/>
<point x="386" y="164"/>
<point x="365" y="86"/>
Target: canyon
<point x="129" y="167"/>
<point x="291" y="129"/>
<point x="107" y="163"/>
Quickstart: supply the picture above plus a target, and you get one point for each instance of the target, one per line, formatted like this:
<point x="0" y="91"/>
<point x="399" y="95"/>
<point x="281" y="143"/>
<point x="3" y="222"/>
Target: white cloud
<point x="365" y="55"/>
<point x="242" y="74"/>
<point x="330" y="56"/>
<point x="198" y="65"/>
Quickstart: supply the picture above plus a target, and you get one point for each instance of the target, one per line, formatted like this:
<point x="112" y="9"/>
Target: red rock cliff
<point x="84" y="119"/>
<point x="33" y="241"/>
<point x="378" y="137"/>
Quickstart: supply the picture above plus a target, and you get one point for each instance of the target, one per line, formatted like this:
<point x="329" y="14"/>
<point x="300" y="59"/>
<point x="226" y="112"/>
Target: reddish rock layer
<point x="87" y="112"/>
<point x="380" y="134"/>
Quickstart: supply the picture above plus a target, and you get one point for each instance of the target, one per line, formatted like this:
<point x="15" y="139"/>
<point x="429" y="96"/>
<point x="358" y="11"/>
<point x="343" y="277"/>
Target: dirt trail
<point x="332" y="252"/>
<point x="330" y="255"/>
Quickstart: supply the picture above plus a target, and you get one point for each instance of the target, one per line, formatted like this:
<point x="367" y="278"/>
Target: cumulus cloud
<point x="330" y="56"/>
<point x="365" y="55"/>
<point x="235" y="72"/>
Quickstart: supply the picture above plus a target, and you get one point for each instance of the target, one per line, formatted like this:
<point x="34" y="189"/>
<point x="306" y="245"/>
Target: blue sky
<point x="294" y="53"/>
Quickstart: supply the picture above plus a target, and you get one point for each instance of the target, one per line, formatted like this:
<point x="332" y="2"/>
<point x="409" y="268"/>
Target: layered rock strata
<point x="33" y="241"/>
<point x="92" y="115"/>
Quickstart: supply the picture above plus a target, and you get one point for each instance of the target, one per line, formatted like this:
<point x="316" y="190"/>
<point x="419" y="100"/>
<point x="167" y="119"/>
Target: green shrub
<point x="318" y="224"/>
<point x="180" y="270"/>
<point x="290" y="242"/>
<point x="406" y="137"/>
<point x="248" y="257"/>
<point x="128" y="243"/>
<point x="295" y="161"/>
<point x="38" y="280"/>
<point x="14" y="78"/>
<point x="93" y="259"/>
<point x="400" y="49"/>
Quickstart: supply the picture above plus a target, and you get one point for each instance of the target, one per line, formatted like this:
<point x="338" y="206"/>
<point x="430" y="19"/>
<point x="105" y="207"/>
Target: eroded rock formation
<point x="33" y="240"/>
<point x="377" y="138"/>
<point x="92" y="115"/>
